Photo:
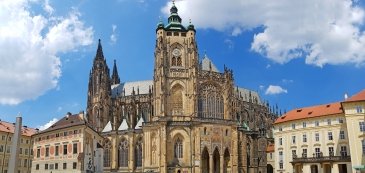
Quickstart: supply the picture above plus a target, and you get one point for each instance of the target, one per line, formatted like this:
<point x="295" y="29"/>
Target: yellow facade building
<point x="25" y="150"/>
<point x="324" y="138"/>
<point x="70" y="145"/>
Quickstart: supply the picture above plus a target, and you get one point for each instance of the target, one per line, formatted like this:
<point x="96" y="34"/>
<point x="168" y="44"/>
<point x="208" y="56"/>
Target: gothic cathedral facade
<point x="190" y="118"/>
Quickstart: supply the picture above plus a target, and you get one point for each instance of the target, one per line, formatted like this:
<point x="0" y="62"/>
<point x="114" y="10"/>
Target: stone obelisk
<point x="14" y="153"/>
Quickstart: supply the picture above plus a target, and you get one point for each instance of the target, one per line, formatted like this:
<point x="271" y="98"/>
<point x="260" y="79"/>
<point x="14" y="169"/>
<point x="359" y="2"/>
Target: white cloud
<point x="275" y="89"/>
<point x="29" y="48"/>
<point x="322" y="32"/>
<point x="48" y="8"/>
<point x="113" y="36"/>
<point x="287" y="81"/>
<point x="229" y="43"/>
<point x="48" y="124"/>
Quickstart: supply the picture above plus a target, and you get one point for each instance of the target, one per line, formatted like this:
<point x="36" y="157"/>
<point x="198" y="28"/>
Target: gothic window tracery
<point x="176" y="103"/>
<point x="178" y="148"/>
<point x="210" y="102"/>
<point x="138" y="153"/>
<point x="107" y="148"/>
<point x="123" y="153"/>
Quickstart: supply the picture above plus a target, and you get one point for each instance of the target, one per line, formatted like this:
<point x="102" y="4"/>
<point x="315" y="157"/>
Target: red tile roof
<point x="360" y="96"/>
<point x="311" y="112"/>
<point x="9" y="128"/>
<point x="67" y="121"/>
<point x="270" y="148"/>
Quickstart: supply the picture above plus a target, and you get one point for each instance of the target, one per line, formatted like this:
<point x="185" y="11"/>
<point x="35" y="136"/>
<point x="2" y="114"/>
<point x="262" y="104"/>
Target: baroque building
<point x="322" y="138"/>
<point x="190" y="118"/>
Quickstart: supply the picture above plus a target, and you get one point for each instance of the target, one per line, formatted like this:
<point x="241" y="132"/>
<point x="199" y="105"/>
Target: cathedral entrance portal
<point x="216" y="161"/>
<point x="205" y="161"/>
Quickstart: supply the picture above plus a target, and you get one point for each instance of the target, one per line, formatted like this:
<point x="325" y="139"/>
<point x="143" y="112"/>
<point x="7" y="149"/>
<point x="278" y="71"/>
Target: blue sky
<point x="294" y="54"/>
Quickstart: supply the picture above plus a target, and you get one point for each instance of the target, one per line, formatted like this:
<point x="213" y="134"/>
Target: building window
<point x="57" y="150"/>
<point x="316" y="123"/>
<point x="38" y="152"/>
<point x="304" y="124"/>
<point x="1" y="148"/>
<point x="293" y="126"/>
<point x="342" y="134"/>
<point x="270" y="155"/>
<point x="64" y="165"/>
<point x="363" y="146"/>
<point x="138" y="153"/>
<point x="107" y="148"/>
<point x="20" y="150"/>
<point x="331" y="151"/>
<point x="74" y="165"/>
<point x="123" y="153"/>
<point x="74" y="148"/>
<point x="46" y="166"/>
<point x="281" y="161"/>
<point x="293" y="139"/>
<point x="317" y="137"/>
<point x="304" y="137"/>
<point x="340" y="120"/>
<point x="56" y="166"/>
<point x="317" y="152"/>
<point x="65" y="149"/>
<point x="210" y="102"/>
<point x="359" y="109"/>
<point x="26" y="151"/>
<point x="64" y="133"/>
<point x="51" y="166"/>
<point x="343" y="151"/>
<point x="25" y="163"/>
<point x="304" y="153"/>
<point x="176" y="102"/>
<point x="280" y="129"/>
<point x="280" y="141"/>
<point x="47" y="151"/>
<point x="75" y="132"/>
<point x="57" y="135"/>
<point x="362" y="126"/>
<point x="37" y="167"/>
<point x="328" y="121"/>
<point x="330" y="137"/>
<point x="178" y="148"/>
<point x="294" y="153"/>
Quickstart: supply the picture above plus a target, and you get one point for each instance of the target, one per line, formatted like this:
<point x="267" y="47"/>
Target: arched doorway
<point x="270" y="169"/>
<point x="216" y="161"/>
<point x="205" y="161"/>
<point x="226" y="164"/>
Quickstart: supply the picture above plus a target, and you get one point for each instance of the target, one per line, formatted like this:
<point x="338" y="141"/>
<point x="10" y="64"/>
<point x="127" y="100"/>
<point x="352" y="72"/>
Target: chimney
<point x="68" y="114"/>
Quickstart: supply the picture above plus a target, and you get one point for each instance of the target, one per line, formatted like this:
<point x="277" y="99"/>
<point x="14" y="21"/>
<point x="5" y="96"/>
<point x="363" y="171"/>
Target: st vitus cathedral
<point x="191" y="118"/>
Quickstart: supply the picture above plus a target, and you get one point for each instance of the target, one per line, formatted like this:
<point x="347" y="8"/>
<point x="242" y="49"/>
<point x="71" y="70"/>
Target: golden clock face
<point x="176" y="52"/>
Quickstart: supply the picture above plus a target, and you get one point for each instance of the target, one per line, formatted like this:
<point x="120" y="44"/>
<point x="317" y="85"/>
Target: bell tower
<point x="175" y="68"/>
<point x="99" y="92"/>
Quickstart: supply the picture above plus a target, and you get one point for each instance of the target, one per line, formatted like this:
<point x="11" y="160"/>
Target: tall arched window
<point x="210" y="102"/>
<point x="178" y="148"/>
<point x="123" y="153"/>
<point x="176" y="102"/>
<point x="107" y="148"/>
<point x="138" y="153"/>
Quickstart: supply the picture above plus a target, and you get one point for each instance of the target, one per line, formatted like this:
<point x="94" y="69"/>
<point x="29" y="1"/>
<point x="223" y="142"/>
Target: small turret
<point x="115" y="77"/>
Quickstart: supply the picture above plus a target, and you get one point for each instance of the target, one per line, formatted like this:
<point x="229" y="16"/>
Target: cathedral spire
<point x="99" y="52"/>
<point x="115" y="76"/>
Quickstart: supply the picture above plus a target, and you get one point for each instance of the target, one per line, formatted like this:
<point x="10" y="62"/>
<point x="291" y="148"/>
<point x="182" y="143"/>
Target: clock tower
<point x="176" y="68"/>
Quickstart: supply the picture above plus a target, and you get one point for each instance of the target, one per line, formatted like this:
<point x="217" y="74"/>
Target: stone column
<point x="14" y="154"/>
<point x="211" y="163"/>
<point x="221" y="162"/>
